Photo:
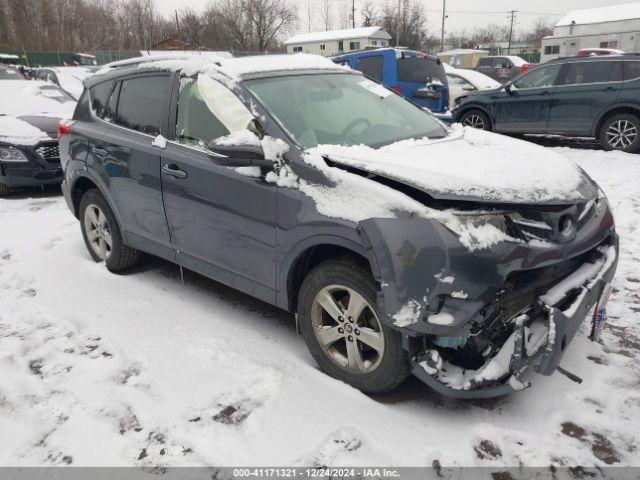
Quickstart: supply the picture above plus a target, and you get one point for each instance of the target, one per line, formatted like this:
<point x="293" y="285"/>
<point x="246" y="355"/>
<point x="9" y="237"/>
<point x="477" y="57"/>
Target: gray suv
<point x="287" y="177"/>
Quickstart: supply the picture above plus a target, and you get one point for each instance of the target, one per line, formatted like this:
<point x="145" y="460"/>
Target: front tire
<point x="339" y="322"/>
<point x="476" y="119"/>
<point x="102" y="235"/>
<point x="621" y="132"/>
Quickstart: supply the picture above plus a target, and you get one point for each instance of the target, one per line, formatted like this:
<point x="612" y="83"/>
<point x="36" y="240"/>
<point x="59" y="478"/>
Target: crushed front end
<point x="476" y="319"/>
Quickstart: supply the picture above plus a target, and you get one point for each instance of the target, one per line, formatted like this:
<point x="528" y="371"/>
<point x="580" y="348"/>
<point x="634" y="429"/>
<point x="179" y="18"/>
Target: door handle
<point x="608" y="89"/>
<point x="99" y="151"/>
<point x="174" y="171"/>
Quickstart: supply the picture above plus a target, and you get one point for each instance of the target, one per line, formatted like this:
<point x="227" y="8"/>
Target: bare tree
<point x="369" y="14"/>
<point x="344" y="14"/>
<point x="309" y="13"/>
<point x="407" y="25"/>
<point x="326" y="14"/>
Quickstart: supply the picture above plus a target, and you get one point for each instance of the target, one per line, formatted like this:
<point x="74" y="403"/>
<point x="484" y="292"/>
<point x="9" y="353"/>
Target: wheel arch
<point x="305" y="256"/>
<point x="476" y="106"/>
<point x="83" y="182"/>
<point x="617" y="110"/>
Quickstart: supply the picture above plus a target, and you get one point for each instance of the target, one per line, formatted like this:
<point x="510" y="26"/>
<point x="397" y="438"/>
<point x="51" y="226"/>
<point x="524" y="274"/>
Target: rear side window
<point x="503" y="63"/>
<point x="631" y="70"/>
<point x="142" y="104"/>
<point x="485" y="62"/>
<point x="371" y="67"/>
<point x="420" y="70"/>
<point x="100" y="97"/>
<point x="588" y="72"/>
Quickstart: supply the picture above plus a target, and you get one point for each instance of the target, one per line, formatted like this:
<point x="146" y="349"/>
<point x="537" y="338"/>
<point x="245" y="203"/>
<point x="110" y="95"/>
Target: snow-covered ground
<point x="137" y="369"/>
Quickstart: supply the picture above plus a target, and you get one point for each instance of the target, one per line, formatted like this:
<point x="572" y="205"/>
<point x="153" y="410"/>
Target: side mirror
<point x="239" y="155"/>
<point x="468" y="88"/>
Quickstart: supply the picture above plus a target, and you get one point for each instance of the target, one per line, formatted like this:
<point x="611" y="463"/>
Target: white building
<point x="615" y="26"/>
<point x="335" y="42"/>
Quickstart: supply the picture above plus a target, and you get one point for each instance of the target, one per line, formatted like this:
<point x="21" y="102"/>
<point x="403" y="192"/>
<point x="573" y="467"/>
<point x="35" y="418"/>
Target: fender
<point x="284" y="267"/>
<point x="608" y="111"/>
<point x="475" y="106"/>
<point x="86" y="172"/>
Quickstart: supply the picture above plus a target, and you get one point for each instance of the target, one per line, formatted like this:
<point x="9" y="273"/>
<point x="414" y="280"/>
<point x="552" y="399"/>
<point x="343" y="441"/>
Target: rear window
<point x="591" y="72"/>
<point x="142" y="104"/>
<point x="420" y="70"/>
<point x="631" y="70"/>
<point x="371" y="67"/>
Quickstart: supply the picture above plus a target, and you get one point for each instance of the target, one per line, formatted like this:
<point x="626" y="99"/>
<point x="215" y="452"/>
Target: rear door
<point x="524" y="108"/>
<point x="423" y="81"/>
<point x="585" y="90"/>
<point x="222" y="219"/>
<point x="122" y="154"/>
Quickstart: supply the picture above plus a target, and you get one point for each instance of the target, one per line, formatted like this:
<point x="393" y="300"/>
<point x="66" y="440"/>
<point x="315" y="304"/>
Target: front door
<point x="523" y="106"/>
<point x="222" y="219"/>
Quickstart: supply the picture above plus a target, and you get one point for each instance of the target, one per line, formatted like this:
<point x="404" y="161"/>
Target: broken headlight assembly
<point x="12" y="155"/>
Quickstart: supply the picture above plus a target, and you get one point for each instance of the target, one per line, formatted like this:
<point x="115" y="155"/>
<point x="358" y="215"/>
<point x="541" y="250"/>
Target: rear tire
<point x="4" y="190"/>
<point x="476" y="119"/>
<point x="102" y="235"/>
<point x="359" y="349"/>
<point x="620" y="132"/>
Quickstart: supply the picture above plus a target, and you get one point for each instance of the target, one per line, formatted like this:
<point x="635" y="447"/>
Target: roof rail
<point x="155" y="58"/>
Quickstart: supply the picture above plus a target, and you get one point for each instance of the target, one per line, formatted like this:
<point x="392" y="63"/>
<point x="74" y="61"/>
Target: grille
<point x="49" y="151"/>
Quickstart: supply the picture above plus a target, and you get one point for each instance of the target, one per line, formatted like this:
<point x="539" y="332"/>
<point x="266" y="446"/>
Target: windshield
<point x="341" y="109"/>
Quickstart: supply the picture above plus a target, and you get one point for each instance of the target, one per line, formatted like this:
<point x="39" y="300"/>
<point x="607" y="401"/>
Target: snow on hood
<point x="472" y="165"/>
<point x="21" y="132"/>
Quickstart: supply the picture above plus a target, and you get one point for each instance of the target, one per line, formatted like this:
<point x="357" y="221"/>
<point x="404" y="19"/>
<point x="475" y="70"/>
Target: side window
<point x="208" y="110"/>
<point x="587" y="72"/>
<point x="631" y="70"/>
<point x="371" y="67"/>
<point x="459" y="83"/>
<point x="485" y="62"/>
<point x="503" y="63"/>
<point x="100" y="97"/>
<point x="539" y="78"/>
<point x="142" y="103"/>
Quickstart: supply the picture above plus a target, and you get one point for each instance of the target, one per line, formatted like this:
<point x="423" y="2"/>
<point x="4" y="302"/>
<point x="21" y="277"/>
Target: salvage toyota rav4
<point x="463" y="257"/>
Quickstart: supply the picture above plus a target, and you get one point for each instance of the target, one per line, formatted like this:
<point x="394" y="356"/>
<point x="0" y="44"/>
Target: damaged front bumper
<point x="540" y="336"/>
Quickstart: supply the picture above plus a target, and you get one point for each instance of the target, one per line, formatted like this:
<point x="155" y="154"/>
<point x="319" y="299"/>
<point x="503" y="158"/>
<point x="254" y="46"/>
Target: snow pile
<point x="408" y="314"/>
<point x="160" y="142"/>
<point x="471" y="163"/>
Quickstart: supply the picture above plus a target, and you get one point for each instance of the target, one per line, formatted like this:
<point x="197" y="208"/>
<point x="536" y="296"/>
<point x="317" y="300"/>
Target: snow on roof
<point x="364" y="32"/>
<point x="610" y="13"/>
<point x="477" y="79"/>
<point x="194" y="53"/>
<point x="18" y="97"/>
<point x="9" y="55"/>
<point x="517" y="61"/>
<point x="463" y="51"/>
<point x="232" y="67"/>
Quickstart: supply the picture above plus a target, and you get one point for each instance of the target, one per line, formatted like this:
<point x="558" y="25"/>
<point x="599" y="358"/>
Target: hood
<point x="472" y="165"/>
<point x="28" y="129"/>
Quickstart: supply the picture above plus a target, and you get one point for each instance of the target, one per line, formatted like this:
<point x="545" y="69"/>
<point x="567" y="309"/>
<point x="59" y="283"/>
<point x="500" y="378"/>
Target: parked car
<point x="586" y="52"/>
<point x="419" y="77"/>
<point x="29" y="116"/>
<point x="10" y="73"/>
<point x="578" y="97"/>
<point x="68" y="78"/>
<point x="9" y="59"/>
<point x="502" y="68"/>
<point x="402" y="245"/>
<point x="462" y="82"/>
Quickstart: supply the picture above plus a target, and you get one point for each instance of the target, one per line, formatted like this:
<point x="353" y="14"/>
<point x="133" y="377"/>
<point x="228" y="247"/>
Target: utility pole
<point x="444" y="15"/>
<point x="178" y="26"/>
<point x="353" y="13"/>
<point x="512" y="15"/>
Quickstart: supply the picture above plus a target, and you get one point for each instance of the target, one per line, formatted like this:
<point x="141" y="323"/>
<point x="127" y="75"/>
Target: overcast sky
<point x="463" y="14"/>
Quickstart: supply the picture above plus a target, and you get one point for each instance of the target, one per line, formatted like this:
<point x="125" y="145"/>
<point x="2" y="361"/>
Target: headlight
<point x="10" y="154"/>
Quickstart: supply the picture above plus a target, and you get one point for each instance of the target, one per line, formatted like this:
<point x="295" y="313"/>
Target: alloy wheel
<point x="474" y="121"/>
<point x="98" y="233"/>
<point x="621" y="134"/>
<point x="348" y="329"/>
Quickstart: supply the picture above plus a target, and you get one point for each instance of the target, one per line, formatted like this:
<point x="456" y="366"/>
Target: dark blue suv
<point x="417" y="76"/>
<point x="596" y="97"/>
